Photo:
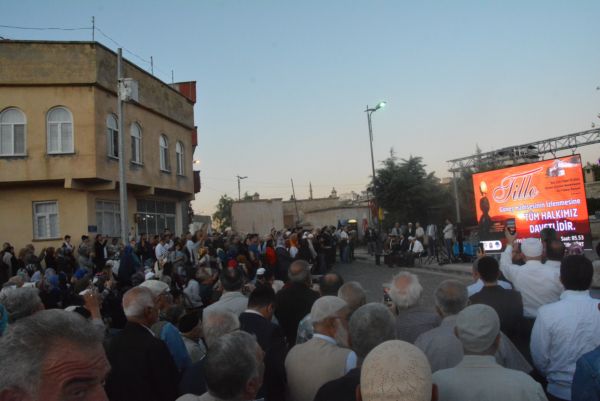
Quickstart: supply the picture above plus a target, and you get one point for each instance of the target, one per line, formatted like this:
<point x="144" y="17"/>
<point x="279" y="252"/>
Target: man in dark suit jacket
<point x="142" y="367"/>
<point x="257" y="320"/>
<point x="294" y="302"/>
<point x="99" y="248"/>
<point x="507" y="303"/>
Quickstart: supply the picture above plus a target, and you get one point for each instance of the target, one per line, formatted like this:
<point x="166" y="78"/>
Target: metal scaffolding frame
<point x="528" y="152"/>
<point x="521" y="154"/>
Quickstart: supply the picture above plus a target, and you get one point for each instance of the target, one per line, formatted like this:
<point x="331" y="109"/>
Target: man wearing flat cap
<point x="326" y="355"/>
<point x="478" y="377"/>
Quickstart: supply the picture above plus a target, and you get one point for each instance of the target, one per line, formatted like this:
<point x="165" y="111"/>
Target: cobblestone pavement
<point x="365" y="271"/>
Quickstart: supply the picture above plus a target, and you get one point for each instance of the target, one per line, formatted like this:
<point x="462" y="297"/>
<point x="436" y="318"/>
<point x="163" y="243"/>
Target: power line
<point x="50" y="28"/>
<point x="124" y="48"/>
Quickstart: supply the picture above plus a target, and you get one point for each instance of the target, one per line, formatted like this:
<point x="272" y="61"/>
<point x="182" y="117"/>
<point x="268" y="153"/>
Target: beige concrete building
<point x="58" y="145"/>
<point x="257" y="216"/>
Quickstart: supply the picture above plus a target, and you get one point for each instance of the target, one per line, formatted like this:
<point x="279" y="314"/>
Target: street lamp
<point x="369" y="111"/>
<point x="239" y="187"/>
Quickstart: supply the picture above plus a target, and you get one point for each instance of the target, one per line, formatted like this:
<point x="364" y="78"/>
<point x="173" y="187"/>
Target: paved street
<point x="372" y="276"/>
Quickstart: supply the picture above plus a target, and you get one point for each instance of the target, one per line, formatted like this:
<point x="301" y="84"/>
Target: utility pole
<point x="239" y="187"/>
<point x="93" y="29"/>
<point x="122" y="182"/>
<point x="151" y="65"/>
<point x="295" y="203"/>
<point x="310" y="190"/>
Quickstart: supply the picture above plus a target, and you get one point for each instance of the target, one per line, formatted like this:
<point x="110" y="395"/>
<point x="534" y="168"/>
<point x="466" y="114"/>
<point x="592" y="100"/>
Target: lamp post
<point x="370" y="111"/>
<point x="239" y="187"/>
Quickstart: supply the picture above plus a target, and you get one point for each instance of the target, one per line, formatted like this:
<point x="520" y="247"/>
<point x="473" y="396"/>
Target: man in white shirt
<point x="192" y="247"/>
<point x="396" y="230"/>
<point x="567" y="329"/>
<point x="415" y="248"/>
<point x="478" y="377"/>
<point x="539" y="284"/>
<point x="448" y="237"/>
<point x="161" y="251"/>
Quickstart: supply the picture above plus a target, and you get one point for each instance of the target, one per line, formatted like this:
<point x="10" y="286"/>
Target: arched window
<point x="112" y="135"/>
<point x="12" y="132"/>
<point x="59" y="131"/>
<point x="136" y="143"/>
<point x="164" y="153"/>
<point x="180" y="158"/>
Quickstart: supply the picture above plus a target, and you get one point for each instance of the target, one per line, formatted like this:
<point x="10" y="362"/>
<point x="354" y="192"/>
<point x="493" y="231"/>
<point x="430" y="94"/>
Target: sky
<point x="282" y="85"/>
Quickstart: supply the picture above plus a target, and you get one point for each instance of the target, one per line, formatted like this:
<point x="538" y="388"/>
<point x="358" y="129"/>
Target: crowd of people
<point x="229" y="317"/>
<point x="405" y="243"/>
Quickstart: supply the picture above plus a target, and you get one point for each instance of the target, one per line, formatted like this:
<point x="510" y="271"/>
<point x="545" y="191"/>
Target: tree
<point x="222" y="216"/>
<point x="408" y="193"/>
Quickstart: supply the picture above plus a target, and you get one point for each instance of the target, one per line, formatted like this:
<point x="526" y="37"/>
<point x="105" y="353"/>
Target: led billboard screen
<point x="531" y="197"/>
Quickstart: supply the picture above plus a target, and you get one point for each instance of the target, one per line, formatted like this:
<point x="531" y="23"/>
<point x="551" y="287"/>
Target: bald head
<point x="330" y="284"/>
<point x="300" y="272"/>
<point x="396" y="370"/>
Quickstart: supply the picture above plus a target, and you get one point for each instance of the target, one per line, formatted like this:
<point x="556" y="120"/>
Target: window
<point x="60" y="131"/>
<point x="164" y="153"/>
<point x="155" y="216"/>
<point x="136" y="143"/>
<point x="180" y="158"/>
<point x="12" y="132"/>
<point x="108" y="218"/>
<point x="112" y="134"/>
<point x="45" y="220"/>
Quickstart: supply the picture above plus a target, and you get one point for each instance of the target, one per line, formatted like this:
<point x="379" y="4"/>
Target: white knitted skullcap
<point x="532" y="247"/>
<point x="396" y="370"/>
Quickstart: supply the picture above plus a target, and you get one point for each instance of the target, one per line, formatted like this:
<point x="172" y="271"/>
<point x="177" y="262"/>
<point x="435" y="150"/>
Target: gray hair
<point x="217" y="323"/>
<point x="302" y="275"/>
<point x="27" y="343"/>
<point x="371" y="325"/>
<point x="231" y="361"/>
<point x="20" y="302"/>
<point x="354" y="295"/>
<point x="405" y="290"/>
<point x="136" y="300"/>
<point x="451" y="297"/>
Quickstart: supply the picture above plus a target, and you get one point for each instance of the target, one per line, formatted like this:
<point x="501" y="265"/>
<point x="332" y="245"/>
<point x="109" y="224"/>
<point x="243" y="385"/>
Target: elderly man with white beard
<point x="325" y="356"/>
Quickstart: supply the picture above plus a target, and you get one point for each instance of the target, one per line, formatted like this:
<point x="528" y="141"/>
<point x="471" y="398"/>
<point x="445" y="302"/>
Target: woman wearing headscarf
<point x="128" y="264"/>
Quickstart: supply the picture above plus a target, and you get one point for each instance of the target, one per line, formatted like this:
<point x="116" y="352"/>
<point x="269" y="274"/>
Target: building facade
<point x="59" y="161"/>
<point x="257" y="216"/>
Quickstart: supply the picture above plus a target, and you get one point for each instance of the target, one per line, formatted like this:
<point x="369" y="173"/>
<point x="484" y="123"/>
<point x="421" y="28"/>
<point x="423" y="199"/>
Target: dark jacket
<point x="293" y="303"/>
<point x="142" y="368"/>
<point x="508" y="304"/>
<point x="192" y="380"/>
<point x="271" y="339"/>
<point x="99" y="259"/>
<point x="342" y="389"/>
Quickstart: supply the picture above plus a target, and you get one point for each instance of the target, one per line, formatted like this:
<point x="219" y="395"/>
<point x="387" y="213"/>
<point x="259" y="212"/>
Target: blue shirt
<point x="586" y="382"/>
<point x="171" y="336"/>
